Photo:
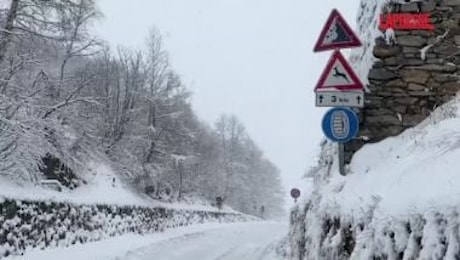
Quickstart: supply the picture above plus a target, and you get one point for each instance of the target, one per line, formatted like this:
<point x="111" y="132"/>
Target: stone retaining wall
<point x="35" y="224"/>
<point x="405" y="87"/>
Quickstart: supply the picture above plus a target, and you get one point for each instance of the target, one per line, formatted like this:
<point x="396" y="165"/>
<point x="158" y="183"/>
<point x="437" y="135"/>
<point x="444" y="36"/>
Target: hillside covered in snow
<point x="97" y="141"/>
<point x="83" y="117"/>
<point x="399" y="198"/>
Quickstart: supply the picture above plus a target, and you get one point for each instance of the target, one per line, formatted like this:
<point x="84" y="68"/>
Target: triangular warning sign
<point x="338" y="75"/>
<point x="336" y="34"/>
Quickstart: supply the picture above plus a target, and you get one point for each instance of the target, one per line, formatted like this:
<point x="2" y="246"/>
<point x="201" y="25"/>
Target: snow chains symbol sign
<point x="340" y="124"/>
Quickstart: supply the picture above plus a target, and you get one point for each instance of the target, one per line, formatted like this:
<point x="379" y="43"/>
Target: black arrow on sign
<point x="359" y="99"/>
<point x="321" y="98"/>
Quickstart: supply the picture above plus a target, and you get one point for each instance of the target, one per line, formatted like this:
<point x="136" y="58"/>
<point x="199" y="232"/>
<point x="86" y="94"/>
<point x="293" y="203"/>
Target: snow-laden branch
<point x="69" y="102"/>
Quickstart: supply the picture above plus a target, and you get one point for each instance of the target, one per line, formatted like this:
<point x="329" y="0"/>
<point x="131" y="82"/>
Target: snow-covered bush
<point x="33" y="224"/>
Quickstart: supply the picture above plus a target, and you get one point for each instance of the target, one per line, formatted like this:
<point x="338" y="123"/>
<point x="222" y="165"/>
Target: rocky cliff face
<point x="414" y="72"/>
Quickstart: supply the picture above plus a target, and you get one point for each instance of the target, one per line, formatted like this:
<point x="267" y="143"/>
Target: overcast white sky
<point x="252" y="58"/>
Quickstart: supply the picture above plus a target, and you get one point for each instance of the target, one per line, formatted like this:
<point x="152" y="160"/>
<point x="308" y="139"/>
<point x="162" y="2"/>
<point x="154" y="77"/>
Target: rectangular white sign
<point x="340" y="99"/>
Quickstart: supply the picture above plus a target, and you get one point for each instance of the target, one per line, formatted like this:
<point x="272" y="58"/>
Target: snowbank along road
<point x="210" y="241"/>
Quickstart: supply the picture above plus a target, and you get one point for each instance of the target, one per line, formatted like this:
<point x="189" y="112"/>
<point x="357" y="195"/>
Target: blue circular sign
<point x="340" y="124"/>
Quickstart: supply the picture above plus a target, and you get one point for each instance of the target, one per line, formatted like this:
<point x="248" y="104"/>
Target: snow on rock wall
<point x="399" y="198"/>
<point x="408" y="73"/>
<point x="37" y="224"/>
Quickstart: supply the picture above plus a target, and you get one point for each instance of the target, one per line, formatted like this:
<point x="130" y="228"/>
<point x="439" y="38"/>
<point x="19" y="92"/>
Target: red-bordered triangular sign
<point x="336" y="34"/>
<point x="338" y="75"/>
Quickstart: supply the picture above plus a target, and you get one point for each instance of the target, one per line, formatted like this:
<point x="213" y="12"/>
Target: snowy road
<point x="210" y="241"/>
<point x="250" y="241"/>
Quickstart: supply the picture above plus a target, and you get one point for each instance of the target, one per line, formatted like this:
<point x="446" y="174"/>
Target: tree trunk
<point x="180" y="179"/>
<point x="7" y="33"/>
<point x="152" y="123"/>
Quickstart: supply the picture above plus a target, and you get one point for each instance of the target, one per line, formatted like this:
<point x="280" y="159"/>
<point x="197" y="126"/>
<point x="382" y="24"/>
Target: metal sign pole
<point x="339" y="86"/>
<point x="340" y="125"/>
<point x="341" y="159"/>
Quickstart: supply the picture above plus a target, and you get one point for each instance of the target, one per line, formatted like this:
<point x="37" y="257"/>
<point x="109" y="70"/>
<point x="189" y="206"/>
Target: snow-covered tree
<point x="66" y="99"/>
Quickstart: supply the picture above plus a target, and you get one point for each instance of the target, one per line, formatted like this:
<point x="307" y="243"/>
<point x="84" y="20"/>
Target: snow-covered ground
<point x="411" y="173"/>
<point x="100" y="189"/>
<point x="239" y="241"/>
<point x="400" y="196"/>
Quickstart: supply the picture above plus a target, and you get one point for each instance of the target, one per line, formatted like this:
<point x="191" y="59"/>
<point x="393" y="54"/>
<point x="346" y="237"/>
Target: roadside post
<point x="338" y="86"/>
